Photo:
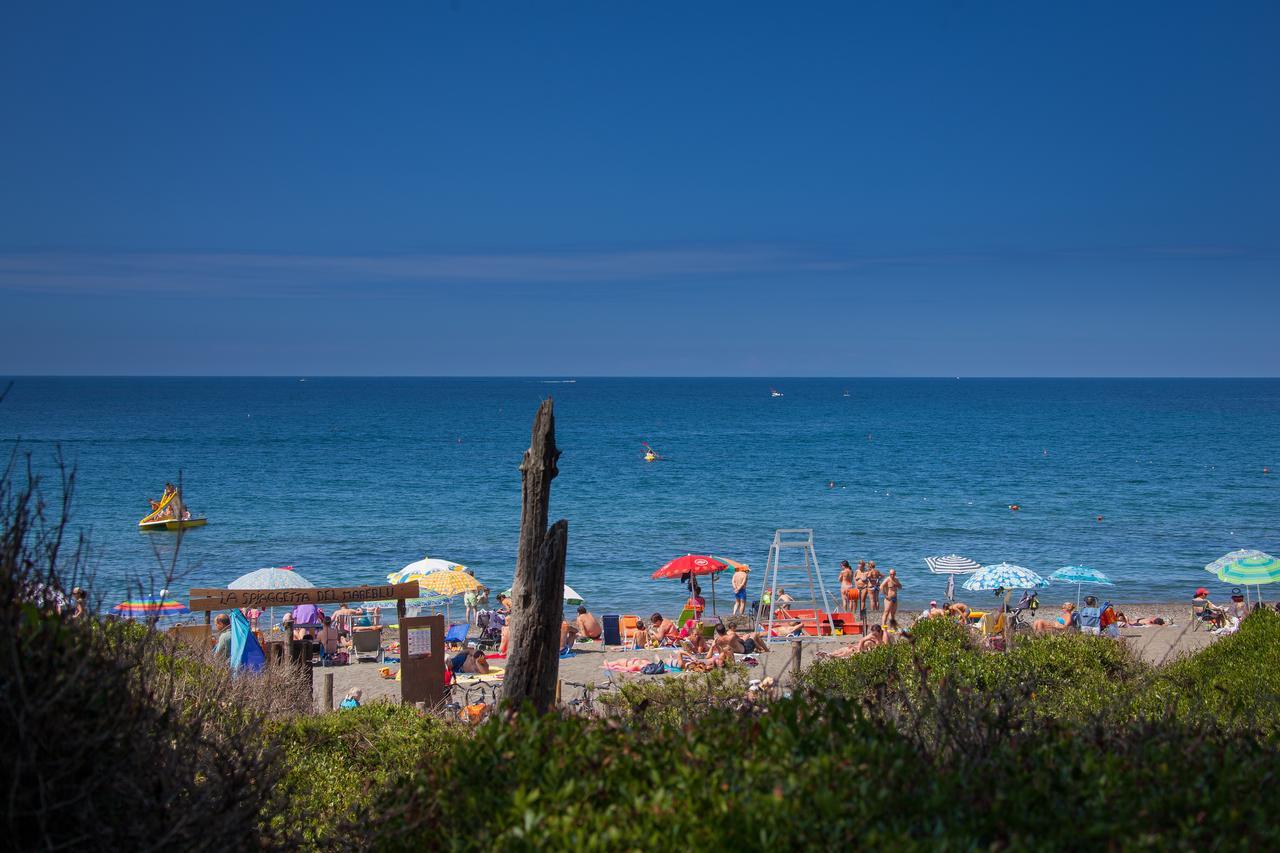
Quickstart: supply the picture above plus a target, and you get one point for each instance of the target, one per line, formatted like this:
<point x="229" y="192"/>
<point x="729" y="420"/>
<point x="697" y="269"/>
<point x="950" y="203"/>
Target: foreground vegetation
<point x="117" y="739"/>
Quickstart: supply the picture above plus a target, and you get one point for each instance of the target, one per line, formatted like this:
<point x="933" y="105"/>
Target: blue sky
<point x="659" y="188"/>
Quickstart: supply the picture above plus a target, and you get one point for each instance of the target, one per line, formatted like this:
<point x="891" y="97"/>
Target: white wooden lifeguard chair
<point x="783" y="557"/>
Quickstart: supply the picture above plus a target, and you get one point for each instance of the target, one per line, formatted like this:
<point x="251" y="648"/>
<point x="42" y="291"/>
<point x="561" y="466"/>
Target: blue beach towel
<point x="245" y="651"/>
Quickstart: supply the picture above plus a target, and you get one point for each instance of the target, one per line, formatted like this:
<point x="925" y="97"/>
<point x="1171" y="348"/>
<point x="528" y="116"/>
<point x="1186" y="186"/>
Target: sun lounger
<point x="457" y="633"/>
<point x="611" y="632"/>
<point x="367" y="643"/>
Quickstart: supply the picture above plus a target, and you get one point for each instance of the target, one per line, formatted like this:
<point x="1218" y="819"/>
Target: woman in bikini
<point x="873" y="584"/>
<point x="847" y="594"/>
<point x="889" y="589"/>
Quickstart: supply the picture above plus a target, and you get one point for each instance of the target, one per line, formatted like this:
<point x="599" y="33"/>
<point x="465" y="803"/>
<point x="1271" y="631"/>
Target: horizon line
<point x="565" y="377"/>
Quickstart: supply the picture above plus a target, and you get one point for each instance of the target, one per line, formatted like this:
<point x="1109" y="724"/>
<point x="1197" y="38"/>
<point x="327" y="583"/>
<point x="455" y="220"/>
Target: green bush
<point x="1235" y="681"/>
<point x="337" y="761"/>
<point x="819" y="773"/>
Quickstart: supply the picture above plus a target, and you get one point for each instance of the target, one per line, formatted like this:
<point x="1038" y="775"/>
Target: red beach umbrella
<point x="693" y="564"/>
<point x="690" y="564"/>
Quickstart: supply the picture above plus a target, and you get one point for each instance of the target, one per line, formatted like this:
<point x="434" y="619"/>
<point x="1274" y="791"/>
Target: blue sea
<point x="347" y="479"/>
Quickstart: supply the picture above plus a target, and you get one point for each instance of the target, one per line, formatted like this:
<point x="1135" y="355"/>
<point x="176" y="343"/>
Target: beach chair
<point x="366" y="643"/>
<point x="686" y="614"/>
<point x="457" y="633"/>
<point x="611" y="631"/>
<point x="630" y="628"/>
<point x="1202" y="613"/>
<point x="991" y="624"/>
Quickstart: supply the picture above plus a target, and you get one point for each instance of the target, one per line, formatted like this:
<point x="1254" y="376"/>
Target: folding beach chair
<point x="611" y="630"/>
<point x="367" y="643"/>
<point x="457" y="634"/>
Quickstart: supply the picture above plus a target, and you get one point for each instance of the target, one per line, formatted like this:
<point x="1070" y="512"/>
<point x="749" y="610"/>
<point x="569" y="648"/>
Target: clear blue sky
<point x="659" y="188"/>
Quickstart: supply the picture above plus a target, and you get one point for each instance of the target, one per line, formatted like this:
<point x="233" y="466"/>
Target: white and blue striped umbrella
<point x="1080" y="574"/>
<point x="952" y="564"/>
<point x="1004" y="576"/>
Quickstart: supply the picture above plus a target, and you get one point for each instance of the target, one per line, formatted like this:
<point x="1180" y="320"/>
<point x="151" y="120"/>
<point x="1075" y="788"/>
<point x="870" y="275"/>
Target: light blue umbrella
<point x="1235" y="556"/>
<point x="1080" y="575"/>
<point x="1004" y="576"/>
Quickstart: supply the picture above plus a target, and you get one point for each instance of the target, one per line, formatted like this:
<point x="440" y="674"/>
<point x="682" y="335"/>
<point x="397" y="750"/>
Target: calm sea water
<point x="347" y="479"/>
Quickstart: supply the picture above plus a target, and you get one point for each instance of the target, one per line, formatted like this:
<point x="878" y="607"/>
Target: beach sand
<point x="1156" y="645"/>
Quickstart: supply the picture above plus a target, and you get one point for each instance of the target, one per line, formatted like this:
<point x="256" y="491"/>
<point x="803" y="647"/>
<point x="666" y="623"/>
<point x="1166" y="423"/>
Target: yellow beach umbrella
<point x="448" y="582"/>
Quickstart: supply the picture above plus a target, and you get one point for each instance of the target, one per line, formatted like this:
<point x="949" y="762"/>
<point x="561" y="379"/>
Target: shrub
<point x="109" y="741"/>
<point x="336" y="763"/>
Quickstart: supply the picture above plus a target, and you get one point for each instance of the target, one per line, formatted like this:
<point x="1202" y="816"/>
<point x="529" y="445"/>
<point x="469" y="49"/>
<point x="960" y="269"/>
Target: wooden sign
<point x="228" y="599"/>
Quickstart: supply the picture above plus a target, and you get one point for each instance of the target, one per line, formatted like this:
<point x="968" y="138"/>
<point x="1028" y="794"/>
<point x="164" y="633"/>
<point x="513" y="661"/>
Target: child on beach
<point x="352" y="699"/>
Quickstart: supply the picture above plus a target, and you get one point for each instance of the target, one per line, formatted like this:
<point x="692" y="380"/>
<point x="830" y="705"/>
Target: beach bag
<point x="653" y="669"/>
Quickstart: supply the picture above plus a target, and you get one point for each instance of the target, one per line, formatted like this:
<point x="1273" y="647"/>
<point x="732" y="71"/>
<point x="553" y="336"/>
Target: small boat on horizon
<point x="774" y="392"/>
<point x="170" y="513"/>
<point x="846" y="392"/>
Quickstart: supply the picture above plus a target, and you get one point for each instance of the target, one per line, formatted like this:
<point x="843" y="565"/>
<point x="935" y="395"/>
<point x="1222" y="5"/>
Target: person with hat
<point x="1204" y="609"/>
<point x="740" y="577"/>
<point x="934" y="610"/>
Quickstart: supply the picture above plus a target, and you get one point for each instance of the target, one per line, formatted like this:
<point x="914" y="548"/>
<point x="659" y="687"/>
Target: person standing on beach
<point x="860" y="597"/>
<point x="889" y="589"/>
<point x="848" y="592"/>
<point x="740" y="578"/>
<point x="873" y="584"/>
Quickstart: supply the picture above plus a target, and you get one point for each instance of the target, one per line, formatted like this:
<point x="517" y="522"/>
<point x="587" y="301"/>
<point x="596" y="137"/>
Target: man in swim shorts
<point x="740" y="578"/>
<point x="588" y="625"/>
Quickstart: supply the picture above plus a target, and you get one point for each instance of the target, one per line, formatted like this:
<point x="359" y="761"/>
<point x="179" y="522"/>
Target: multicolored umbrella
<point x="951" y="564"/>
<point x="1251" y="571"/>
<point x="1080" y="575"/>
<point x="1004" y="576"/>
<point x="421" y="568"/>
<point x="274" y="578"/>
<point x="1227" y="559"/>
<point x="148" y="606"/>
<point x="447" y="582"/>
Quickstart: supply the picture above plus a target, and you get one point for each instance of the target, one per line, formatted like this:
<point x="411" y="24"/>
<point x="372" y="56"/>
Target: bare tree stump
<point x="537" y="597"/>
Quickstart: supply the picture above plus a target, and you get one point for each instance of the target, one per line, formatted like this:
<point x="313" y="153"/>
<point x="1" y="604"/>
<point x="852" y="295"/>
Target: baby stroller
<point x="490" y="623"/>
<point x="1028" y="602"/>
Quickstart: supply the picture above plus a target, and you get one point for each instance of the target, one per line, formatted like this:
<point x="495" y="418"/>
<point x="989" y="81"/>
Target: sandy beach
<point x="1154" y="644"/>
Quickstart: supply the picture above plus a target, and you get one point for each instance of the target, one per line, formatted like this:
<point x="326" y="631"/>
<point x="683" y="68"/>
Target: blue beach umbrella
<point x="1004" y="576"/>
<point x="1080" y="575"/>
<point x="1227" y="559"/>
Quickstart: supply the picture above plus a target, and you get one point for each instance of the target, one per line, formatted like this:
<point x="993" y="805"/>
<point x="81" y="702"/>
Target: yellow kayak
<point x="172" y="524"/>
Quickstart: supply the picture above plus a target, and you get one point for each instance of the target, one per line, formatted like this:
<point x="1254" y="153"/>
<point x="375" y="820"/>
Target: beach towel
<point x="245" y="651"/>
<point x="476" y="678"/>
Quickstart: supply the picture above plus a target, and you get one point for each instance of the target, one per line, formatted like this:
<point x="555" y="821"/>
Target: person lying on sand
<point x="1140" y="621"/>
<point x="1059" y="623"/>
<point x="728" y="642"/>
<point x="469" y="662"/>
<point x="870" y="641"/>
<point x="788" y="629"/>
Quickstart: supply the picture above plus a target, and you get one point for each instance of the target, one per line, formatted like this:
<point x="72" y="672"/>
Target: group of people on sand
<point x="867" y="588"/>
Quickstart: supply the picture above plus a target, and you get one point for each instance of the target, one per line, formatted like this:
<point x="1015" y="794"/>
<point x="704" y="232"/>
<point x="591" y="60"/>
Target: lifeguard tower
<point x="791" y="552"/>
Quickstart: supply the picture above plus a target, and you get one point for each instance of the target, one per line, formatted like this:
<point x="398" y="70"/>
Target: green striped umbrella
<point x="1251" y="571"/>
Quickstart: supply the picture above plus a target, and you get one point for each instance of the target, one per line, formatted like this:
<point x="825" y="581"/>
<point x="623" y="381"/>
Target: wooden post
<point x="537" y="598"/>
<point x="795" y="661"/>
<point x="328" y="691"/>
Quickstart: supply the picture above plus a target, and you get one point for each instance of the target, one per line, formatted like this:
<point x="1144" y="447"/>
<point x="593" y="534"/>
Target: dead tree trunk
<point x="537" y="598"/>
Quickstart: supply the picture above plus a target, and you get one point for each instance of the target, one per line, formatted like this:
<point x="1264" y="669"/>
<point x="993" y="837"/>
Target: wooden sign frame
<point x="230" y="599"/>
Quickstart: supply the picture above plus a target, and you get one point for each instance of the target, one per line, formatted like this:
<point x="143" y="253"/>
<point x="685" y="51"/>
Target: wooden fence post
<point x="328" y="691"/>
<point x="795" y="661"/>
<point x="537" y="597"/>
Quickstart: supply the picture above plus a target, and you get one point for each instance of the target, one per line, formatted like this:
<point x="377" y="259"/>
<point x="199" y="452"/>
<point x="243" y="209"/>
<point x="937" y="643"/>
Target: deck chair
<point x="1200" y="614"/>
<point x="366" y="643"/>
<point x="457" y="633"/>
<point x="611" y="632"/>
<point x="992" y="623"/>
<point x="630" y="629"/>
<point x="685" y="615"/>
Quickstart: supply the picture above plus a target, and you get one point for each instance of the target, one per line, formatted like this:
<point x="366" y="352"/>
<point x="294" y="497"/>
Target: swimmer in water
<point x="1014" y="507"/>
